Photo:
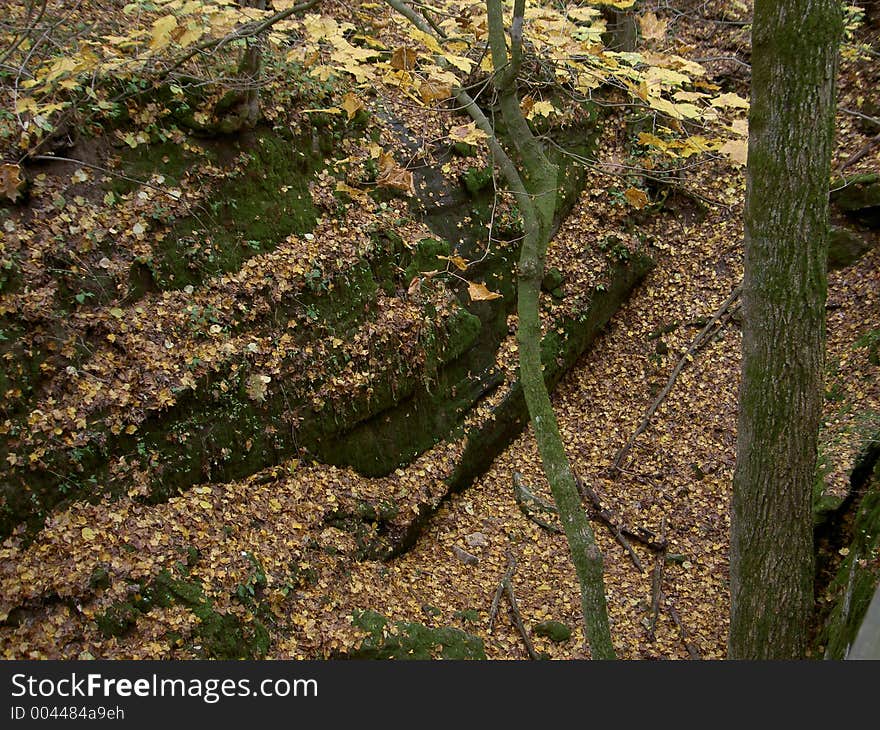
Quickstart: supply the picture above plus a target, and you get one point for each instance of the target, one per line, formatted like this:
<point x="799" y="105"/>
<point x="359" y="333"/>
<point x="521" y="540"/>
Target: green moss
<point x="857" y="194"/>
<point x="99" y="579"/>
<point x="9" y="275"/>
<point x="552" y="280"/>
<point x="424" y="257"/>
<point x="117" y="620"/>
<point x="409" y="640"/>
<point x="476" y="180"/>
<point x="463" y="149"/>
<point x="169" y="159"/>
<point x="553" y="630"/>
<point x="220" y="636"/>
<point x="249" y="213"/>
<point x="430" y="404"/>
<point x="845" y="247"/>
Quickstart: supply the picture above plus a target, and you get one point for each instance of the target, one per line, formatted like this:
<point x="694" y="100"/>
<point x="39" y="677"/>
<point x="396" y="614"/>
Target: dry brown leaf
<point x="652" y="27"/>
<point x="352" y="104"/>
<point x="479" y="292"/>
<point x="11" y="181"/>
<point x="404" y="58"/>
<point x="432" y="91"/>
<point x="638" y="199"/>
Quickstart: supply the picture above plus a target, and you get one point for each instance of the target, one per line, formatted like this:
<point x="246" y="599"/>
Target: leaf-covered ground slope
<point x="272" y="561"/>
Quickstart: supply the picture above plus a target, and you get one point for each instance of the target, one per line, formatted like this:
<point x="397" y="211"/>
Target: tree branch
<point x="698" y="342"/>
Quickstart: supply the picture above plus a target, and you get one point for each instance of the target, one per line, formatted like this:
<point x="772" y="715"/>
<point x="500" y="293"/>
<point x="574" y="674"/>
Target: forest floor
<point x="675" y="482"/>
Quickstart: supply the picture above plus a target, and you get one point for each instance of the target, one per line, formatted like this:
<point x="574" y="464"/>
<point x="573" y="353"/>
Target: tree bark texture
<point x="794" y="68"/>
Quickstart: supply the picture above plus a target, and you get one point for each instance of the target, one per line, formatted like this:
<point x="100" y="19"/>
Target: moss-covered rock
<point x="851" y="590"/>
<point x="217" y="636"/>
<point x="856" y="194"/>
<point x="556" y="631"/>
<point x="845" y="247"/>
<point x="411" y="640"/>
<point x="424" y="257"/>
<point x="249" y="213"/>
<point x="476" y="180"/>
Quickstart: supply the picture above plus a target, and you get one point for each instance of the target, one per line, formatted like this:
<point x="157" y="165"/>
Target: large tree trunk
<point x="794" y="66"/>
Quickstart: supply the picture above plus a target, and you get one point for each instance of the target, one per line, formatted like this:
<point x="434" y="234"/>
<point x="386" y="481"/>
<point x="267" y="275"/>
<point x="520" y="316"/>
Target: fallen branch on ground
<point x="642" y="536"/>
<point x="720" y="318"/>
<point x="871" y="143"/>
<point x="657" y="583"/>
<point x="528" y="503"/>
<point x="693" y="652"/>
<point x="505" y="587"/>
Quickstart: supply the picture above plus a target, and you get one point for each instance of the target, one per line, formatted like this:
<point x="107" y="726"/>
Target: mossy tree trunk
<point x="794" y="67"/>
<point x="535" y="192"/>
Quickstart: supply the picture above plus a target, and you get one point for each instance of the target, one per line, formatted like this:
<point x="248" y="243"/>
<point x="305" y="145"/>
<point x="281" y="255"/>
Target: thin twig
<point x="693" y="652"/>
<point x="646" y="537"/>
<point x="527" y="502"/>
<point x="99" y="168"/>
<point x="505" y="586"/>
<point x="249" y="30"/>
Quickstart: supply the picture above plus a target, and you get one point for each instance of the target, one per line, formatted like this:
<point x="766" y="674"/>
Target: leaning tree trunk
<point x="537" y="202"/>
<point x="535" y="193"/>
<point x="794" y="66"/>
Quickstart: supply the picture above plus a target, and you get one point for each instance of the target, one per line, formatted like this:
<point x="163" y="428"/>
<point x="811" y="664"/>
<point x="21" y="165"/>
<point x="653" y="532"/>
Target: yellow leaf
<point x="426" y="39"/>
<point x="467" y="133"/>
<point x="637" y="198"/>
<point x="652" y="27"/>
<point x="352" y="104"/>
<point x="192" y="33"/>
<point x="432" y="90"/>
<point x="740" y="127"/>
<point x="460" y="263"/>
<point x="130" y="428"/>
<point x="88" y="533"/>
<point x="479" y="292"/>
<point x="688" y="95"/>
<point x="665" y="106"/>
<point x="205" y="504"/>
<point x="541" y="108"/>
<point x="460" y="62"/>
<point x="25" y="104"/>
<point x="354" y="193"/>
<point x="651" y="140"/>
<point x="162" y="32"/>
<point x="327" y="110"/>
<point x="730" y="100"/>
